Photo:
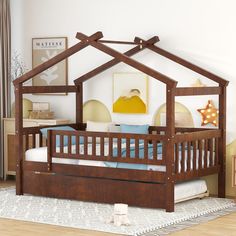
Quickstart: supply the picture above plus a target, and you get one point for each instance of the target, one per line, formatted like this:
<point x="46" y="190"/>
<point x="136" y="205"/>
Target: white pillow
<point x="114" y="128"/>
<point x="97" y="127"/>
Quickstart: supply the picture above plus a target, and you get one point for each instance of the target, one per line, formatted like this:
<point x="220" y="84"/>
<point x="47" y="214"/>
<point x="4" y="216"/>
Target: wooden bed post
<point x="79" y="103"/>
<point x="222" y="142"/>
<point x="170" y="132"/>
<point x="19" y="138"/>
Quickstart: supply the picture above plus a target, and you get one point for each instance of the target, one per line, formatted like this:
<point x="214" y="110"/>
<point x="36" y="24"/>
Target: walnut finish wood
<point x="97" y="172"/>
<point x="170" y="133"/>
<point x="197" y="91"/>
<point x="125" y="42"/>
<point x="222" y="143"/>
<point x="79" y="103"/>
<point x="65" y="54"/>
<point x="95" y="189"/>
<point x="49" y="89"/>
<point x="186" y="63"/>
<point x="112" y="185"/>
<point x="131" y="62"/>
<point x="114" y="61"/>
<point x="19" y="138"/>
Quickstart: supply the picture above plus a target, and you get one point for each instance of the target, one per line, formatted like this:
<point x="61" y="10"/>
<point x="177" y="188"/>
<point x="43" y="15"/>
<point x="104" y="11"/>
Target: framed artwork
<point x="44" y="49"/>
<point x="130" y="93"/>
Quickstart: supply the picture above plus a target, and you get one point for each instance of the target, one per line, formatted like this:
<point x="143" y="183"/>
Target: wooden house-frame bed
<point x="187" y="153"/>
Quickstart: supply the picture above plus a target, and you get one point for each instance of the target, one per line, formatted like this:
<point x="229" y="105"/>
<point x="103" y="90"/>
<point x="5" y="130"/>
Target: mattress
<point x="187" y="189"/>
<point x="40" y="155"/>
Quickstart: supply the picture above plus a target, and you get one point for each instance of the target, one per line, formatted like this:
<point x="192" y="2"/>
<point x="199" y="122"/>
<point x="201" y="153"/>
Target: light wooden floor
<point x="223" y="226"/>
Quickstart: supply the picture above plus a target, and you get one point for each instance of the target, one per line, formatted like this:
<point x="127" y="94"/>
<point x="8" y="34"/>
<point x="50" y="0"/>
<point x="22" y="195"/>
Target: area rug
<point x="94" y="216"/>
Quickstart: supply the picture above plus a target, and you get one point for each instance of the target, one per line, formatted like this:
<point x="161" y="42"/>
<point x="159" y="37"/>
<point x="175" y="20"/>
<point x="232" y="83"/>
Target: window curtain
<point x="5" y="70"/>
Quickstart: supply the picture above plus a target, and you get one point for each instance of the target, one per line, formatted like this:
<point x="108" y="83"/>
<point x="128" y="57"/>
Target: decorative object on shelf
<point x="41" y="110"/>
<point x="27" y="107"/>
<point x="198" y="83"/>
<point x="41" y="106"/>
<point x="44" y="49"/>
<point x="209" y="114"/>
<point x="130" y="93"/>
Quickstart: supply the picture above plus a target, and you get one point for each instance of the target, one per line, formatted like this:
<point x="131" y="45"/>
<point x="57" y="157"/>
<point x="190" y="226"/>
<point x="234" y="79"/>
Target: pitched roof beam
<point x="129" y="61"/>
<point x="50" y="89"/>
<point x="114" y="61"/>
<point x="70" y="51"/>
<point x="124" y="42"/>
<point x="185" y="63"/>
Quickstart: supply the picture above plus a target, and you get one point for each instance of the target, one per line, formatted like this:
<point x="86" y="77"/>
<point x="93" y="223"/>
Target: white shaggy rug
<point x="93" y="216"/>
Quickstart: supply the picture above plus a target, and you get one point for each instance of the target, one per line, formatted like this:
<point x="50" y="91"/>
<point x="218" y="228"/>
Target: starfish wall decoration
<point x="209" y="114"/>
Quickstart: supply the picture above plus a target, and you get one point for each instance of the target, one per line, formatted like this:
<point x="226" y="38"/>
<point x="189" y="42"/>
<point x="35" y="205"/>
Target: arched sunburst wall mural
<point x="183" y="116"/>
<point x="95" y="110"/>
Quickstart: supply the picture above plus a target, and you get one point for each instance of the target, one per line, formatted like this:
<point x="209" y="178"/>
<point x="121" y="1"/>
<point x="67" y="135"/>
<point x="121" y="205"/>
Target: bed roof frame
<point x="172" y="90"/>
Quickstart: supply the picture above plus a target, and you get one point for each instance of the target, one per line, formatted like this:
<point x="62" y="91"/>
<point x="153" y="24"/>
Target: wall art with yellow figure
<point x="130" y="93"/>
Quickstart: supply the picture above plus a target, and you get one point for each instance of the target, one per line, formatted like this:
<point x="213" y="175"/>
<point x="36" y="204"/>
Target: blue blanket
<point x="141" y="151"/>
<point x="132" y="155"/>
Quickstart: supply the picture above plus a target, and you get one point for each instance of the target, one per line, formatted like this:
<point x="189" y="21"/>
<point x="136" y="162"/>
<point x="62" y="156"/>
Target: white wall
<point x="200" y="31"/>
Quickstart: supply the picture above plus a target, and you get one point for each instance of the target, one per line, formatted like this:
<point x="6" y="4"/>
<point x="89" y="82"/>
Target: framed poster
<point x="130" y="93"/>
<point x="44" y="49"/>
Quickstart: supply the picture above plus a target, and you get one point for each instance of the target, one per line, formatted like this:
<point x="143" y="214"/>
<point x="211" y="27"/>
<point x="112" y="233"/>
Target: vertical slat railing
<point x="155" y="155"/>
<point x="49" y="149"/>
<point x="94" y="146"/>
<point x="216" y="152"/>
<point x="85" y="145"/>
<point x="33" y="141"/>
<point x="78" y="145"/>
<point x="194" y="155"/>
<point x="109" y="144"/>
<point x="145" y="149"/>
<point x="188" y="156"/>
<point x="26" y="141"/>
<point x="205" y="153"/>
<point x="40" y="140"/>
<point x="102" y="146"/>
<point x="127" y="148"/>
<point x="200" y="154"/>
<point x="182" y="157"/>
<point x="137" y="148"/>
<point x="110" y="147"/>
<point x="69" y="144"/>
<point x="177" y="160"/>
<point x="119" y="147"/>
<point x="61" y="143"/>
<point x="211" y="152"/>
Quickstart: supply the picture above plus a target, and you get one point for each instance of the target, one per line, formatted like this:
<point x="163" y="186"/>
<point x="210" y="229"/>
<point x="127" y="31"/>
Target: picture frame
<point x="44" y="49"/>
<point x="130" y="93"/>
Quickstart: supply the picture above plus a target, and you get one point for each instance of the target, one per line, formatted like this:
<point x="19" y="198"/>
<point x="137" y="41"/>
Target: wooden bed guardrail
<point x="192" y="151"/>
<point x="201" y="155"/>
<point x="33" y="137"/>
<point x="100" y="146"/>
